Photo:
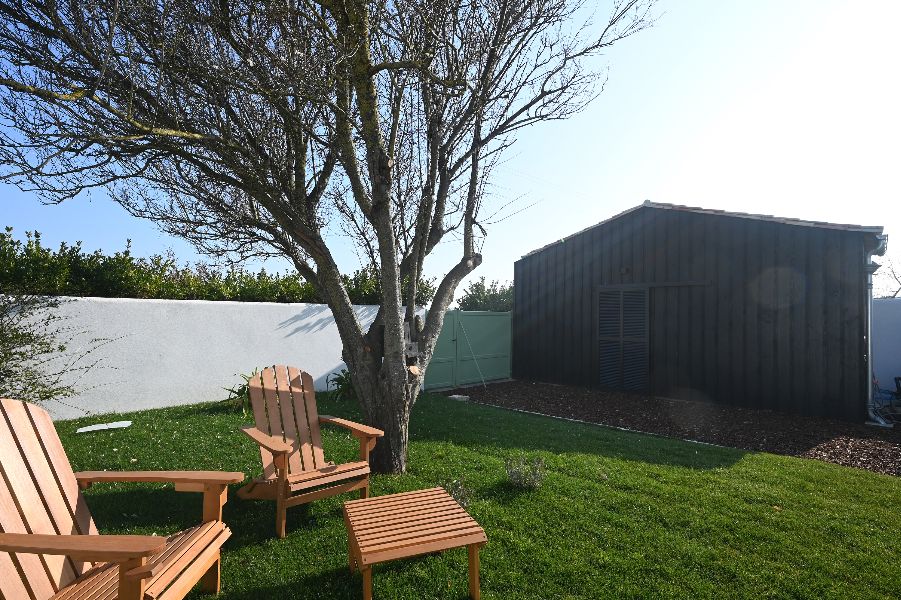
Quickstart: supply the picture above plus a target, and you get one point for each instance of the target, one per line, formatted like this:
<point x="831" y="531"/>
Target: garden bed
<point x="850" y="444"/>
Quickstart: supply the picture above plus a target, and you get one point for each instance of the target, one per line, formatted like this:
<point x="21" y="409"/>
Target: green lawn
<point x="619" y="514"/>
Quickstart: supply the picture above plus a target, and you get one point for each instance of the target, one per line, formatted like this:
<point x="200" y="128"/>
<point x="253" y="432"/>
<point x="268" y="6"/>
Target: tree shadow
<point x="479" y="426"/>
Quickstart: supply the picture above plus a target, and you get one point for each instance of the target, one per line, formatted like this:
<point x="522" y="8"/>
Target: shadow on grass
<point x="504" y="492"/>
<point x="478" y="426"/>
<point x="332" y="583"/>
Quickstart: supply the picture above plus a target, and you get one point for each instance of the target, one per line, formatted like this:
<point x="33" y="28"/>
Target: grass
<point x="619" y="514"/>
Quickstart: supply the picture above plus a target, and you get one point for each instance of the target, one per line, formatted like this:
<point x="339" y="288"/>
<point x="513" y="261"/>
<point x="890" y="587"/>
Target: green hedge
<point x="29" y="267"/>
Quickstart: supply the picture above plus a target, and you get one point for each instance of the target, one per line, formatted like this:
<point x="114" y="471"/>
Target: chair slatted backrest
<point x="38" y="494"/>
<point x="284" y="406"/>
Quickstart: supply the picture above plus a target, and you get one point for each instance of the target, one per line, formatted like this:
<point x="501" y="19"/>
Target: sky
<point x="782" y="107"/>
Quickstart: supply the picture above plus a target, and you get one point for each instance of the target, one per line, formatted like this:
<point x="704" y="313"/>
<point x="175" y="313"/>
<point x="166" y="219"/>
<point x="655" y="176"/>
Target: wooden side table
<point x="402" y="525"/>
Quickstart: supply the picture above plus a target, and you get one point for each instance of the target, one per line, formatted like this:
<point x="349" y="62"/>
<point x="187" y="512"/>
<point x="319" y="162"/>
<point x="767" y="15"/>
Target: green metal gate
<point x="473" y="346"/>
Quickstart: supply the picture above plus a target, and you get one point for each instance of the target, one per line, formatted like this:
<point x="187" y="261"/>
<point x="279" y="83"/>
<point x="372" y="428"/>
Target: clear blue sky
<point x="786" y="107"/>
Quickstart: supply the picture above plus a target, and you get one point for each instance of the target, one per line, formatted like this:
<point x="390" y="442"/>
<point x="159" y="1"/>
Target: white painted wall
<point x="887" y="341"/>
<point x="170" y="352"/>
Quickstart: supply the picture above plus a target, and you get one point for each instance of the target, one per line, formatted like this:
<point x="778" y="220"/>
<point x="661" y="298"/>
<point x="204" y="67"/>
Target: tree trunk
<point x="389" y="411"/>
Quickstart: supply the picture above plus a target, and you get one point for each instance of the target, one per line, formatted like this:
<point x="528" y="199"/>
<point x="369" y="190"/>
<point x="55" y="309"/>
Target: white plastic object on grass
<point x="102" y="426"/>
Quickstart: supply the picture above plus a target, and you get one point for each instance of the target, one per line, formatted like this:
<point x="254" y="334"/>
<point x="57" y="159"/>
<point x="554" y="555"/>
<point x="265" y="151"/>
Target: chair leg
<point x="211" y="581"/>
<point x="281" y="517"/>
<point x="364" y="491"/>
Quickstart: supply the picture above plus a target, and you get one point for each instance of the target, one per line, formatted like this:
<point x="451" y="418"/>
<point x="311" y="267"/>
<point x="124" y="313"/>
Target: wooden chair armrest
<point x="270" y="443"/>
<point x="86" y="478"/>
<point x="356" y="428"/>
<point x="93" y="548"/>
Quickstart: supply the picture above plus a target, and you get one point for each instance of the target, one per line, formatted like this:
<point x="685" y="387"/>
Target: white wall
<point x="887" y="341"/>
<point x="169" y="352"/>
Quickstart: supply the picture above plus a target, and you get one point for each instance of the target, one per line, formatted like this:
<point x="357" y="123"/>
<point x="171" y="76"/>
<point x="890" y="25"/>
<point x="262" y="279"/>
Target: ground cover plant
<point x="618" y="514"/>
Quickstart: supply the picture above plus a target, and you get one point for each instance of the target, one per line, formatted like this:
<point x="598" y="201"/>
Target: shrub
<point x="344" y="389"/>
<point x="458" y="491"/>
<point x="239" y="395"/>
<point x="69" y="271"/>
<point x="524" y="473"/>
<point x="495" y="297"/>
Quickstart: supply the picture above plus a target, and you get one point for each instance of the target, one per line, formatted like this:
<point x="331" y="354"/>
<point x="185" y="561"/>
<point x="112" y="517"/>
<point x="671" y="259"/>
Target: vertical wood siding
<point x="741" y="311"/>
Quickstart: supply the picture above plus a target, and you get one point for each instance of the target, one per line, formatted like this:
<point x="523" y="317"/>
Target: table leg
<point x="474" y="592"/>
<point x="367" y="583"/>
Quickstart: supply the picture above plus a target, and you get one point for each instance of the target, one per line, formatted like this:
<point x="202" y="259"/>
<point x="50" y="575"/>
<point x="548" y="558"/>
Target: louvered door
<point x="623" y="338"/>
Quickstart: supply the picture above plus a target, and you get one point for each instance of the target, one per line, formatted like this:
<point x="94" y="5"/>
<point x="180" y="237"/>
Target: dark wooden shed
<point x="682" y="302"/>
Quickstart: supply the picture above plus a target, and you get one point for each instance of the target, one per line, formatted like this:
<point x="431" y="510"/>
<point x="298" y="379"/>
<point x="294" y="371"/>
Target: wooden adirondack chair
<point x="287" y="431"/>
<point x="49" y="546"/>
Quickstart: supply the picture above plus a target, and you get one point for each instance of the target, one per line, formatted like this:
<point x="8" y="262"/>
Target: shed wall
<point x="745" y="312"/>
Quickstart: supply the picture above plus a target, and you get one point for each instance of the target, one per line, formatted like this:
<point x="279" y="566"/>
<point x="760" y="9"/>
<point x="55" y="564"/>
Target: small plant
<point x="239" y="395"/>
<point x="344" y="389"/>
<point x="458" y="491"/>
<point x="525" y="473"/>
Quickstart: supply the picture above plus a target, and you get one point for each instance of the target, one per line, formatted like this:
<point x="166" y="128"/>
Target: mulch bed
<point x="850" y="444"/>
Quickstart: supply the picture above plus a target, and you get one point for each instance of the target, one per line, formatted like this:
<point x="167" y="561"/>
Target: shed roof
<point x="877" y="230"/>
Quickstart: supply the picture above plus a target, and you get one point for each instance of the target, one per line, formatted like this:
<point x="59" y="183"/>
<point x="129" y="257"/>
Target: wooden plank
<point x="767" y="299"/>
<point x="408" y="513"/>
<point x="258" y="402"/>
<point x="558" y="316"/>
<point x="34" y="574"/>
<point x="392" y="498"/>
<point x="196" y="570"/>
<point x="180" y="477"/>
<point x="569" y="341"/>
<point x="62" y="469"/>
<point x="411" y="503"/>
<point x="99" y="547"/>
<point x="274" y="425"/>
<point x="586" y="327"/>
<point x="799" y="386"/>
<point x="100" y="584"/>
<point x="833" y="327"/>
<point x="328" y="492"/>
<point x="33" y="512"/>
<point x="814" y="357"/>
<point x="737" y="307"/>
<point x="42" y="475"/>
<point x="374" y="535"/>
<point x="854" y="376"/>
<point x="417" y="548"/>
<point x="326" y="479"/>
<point x="683" y="303"/>
<point x="388" y="521"/>
<point x="11" y="584"/>
<point x="423" y="536"/>
<point x="187" y="552"/>
<point x="289" y="423"/>
<point x="328" y="471"/>
<point x="410" y="508"/>
<point x="694" y="297"/>
<point x="784" y="401"/>
<point x="309" y="398"/>
<point x="724" y="338"/>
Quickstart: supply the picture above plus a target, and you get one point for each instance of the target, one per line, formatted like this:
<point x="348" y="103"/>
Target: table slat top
<point x="408" y="524"/>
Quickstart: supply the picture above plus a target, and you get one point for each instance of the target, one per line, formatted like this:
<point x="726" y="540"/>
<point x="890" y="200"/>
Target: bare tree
<point x="260" y="129"/>
<point x="888" y="280"/>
